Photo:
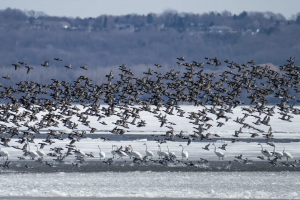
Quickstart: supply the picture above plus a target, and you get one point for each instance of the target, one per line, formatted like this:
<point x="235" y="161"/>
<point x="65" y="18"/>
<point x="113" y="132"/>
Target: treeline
<point x="140" y="41"/>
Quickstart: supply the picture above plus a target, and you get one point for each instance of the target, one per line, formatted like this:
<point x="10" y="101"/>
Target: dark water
<point x="129" y="166"/>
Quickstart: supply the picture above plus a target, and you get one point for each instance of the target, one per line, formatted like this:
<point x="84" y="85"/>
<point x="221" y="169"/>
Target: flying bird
<point x="28" y="68"/>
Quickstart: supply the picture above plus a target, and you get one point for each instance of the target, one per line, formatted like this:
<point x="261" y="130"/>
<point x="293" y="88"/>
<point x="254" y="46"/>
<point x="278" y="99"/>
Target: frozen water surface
<point x="259" y="184"/>
<point x="236" y="185"/>
<point x="249" y="150"/>
<point x="287" y="132"/>
<point x="282" y="129"/>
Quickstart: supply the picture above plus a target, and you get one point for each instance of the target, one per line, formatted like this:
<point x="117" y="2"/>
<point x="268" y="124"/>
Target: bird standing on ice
<point x="101" y="154"/>
<point x="184" y="154"/>
<point x="219" y="154"/>
<point x="286" y="154"/>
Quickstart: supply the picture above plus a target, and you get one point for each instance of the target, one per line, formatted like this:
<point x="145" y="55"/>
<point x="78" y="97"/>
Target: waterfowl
<point x="45" y="64"/>
<point x="148" y="153"/>
<point x="286" y="154"/>
<point x="265" y="152"/>
<point x="135" y="153"/>
<point x="4" y="153"/>
<point x="184" y="154"/>
<point x="101" y="154"/>
<point x="161" y="153"/>
<point x="69" y="66"/>
<point x="28" y="68"/>
<point x="219" y="154"/>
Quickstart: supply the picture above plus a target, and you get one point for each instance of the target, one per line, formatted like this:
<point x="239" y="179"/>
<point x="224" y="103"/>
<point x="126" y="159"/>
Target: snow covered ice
<point x="247" y="185"/>
<point x="283" y="129"/>
<point x="287" y="133"/>
<point x="182" y="183"/>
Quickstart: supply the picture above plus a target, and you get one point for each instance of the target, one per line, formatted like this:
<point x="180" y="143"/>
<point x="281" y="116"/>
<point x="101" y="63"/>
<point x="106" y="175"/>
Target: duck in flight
<point x="45" y="64"/>
<point x="16" y="66"/>
<point x="69" y="66"/>
<point x="28" y="68"/>
<point x="6" y="77"/>
<point x="84" y="67"/>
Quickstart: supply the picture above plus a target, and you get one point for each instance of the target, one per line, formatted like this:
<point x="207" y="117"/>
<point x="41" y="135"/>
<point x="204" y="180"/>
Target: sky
<point x="94" y="8"/>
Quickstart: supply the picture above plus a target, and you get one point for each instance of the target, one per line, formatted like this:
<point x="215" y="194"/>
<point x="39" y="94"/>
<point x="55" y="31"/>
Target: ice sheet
<point x="249" y="150"/>
<point x="234" y="185"/>
<point x="281" y="129"/>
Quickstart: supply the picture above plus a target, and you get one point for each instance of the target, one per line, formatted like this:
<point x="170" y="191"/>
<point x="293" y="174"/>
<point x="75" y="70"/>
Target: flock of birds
<point x="159" y="94"/>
